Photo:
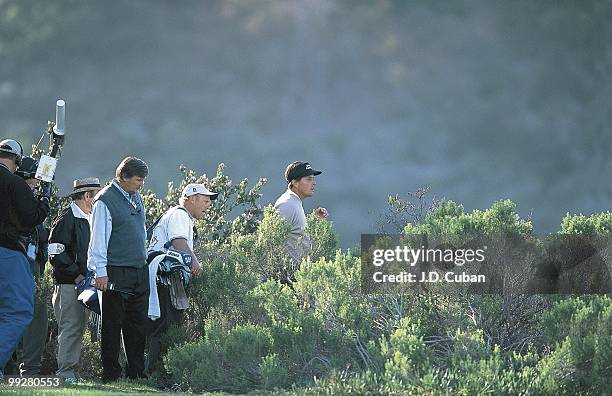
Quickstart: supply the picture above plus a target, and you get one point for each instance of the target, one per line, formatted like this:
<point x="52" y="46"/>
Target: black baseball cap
<point x="297" y="170"/>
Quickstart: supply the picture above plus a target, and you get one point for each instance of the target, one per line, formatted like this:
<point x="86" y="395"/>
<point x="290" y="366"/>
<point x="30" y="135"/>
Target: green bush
<point x="273" y="374"/>
<point x="581" y="331"/>
<point x="298" y="339"/>
<point x="341" y="383"/>
<point x="409" y="371"/>
<point x="330" y="290"/>
<point x="449" y="219"/>
<point x="91" y="367"/>
<point x="407" y="355"/>
<point x="595" y="224"/>
<point x="263" y="254"/>
<point x="233" y="361"/>
<point x="322" y="236"/>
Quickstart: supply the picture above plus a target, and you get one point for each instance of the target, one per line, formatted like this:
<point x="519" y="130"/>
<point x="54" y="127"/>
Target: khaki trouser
<point x="71" y="320"/>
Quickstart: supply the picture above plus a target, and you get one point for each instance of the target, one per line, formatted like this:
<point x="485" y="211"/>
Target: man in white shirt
<point x="175" y="228"/>
<point x="301" y="182"/>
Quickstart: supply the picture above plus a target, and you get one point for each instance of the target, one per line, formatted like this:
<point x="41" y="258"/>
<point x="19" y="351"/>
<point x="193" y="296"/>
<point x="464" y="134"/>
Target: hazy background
<point x="482" y="100"/>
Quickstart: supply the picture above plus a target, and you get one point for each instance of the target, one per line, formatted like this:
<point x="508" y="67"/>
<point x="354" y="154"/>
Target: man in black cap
<point x="69" y="243"/>
<point x="20" y="211"/>
<point x="301" y="184"/>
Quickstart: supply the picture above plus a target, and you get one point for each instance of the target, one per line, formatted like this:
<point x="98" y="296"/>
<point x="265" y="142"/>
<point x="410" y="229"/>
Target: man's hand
<point x="102" y="283"/>
<point x="321" y="213"/>
<point x="45" y="190"/>
<point x="181" y="243"/>
<point x="78" y="279"/>
<point x="195" y="266"/>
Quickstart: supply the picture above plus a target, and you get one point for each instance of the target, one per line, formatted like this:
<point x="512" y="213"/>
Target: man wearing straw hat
<point x="69" y="242"/>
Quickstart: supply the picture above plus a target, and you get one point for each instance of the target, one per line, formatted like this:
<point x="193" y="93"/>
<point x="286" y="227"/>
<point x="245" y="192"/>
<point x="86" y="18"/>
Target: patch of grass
<point x="124" y="387"/>
<point x="90" y="388"/>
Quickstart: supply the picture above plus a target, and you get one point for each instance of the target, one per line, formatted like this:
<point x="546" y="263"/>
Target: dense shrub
<point x="596" y="224"/>
<point x="449" y="219"/>
<point x="580" y="332"/>
<point x="299" y="342"/>
<point x="246" y="330"/>
<point x="323" y="328"/>
<point x="322" y="236"/>
<point x="236" y="361"/>
<point x="263" y="254"/>
<point x="407" y="355"/>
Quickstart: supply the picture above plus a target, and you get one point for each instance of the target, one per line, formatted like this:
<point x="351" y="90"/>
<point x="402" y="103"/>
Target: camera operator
<point x="35" y="336"/>
<point x="20" y="212"/>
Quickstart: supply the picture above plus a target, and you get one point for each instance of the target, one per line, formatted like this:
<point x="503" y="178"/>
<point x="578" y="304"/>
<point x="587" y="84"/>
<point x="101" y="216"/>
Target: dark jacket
<point x="20" y="211"/>
<point x="39" y="237"/>
<point x="73" y="233"/>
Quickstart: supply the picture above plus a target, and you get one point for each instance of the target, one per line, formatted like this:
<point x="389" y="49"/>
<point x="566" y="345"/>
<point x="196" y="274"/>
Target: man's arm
<point x="62" y="233"/>
<point x="288" y="212"/>
<point x="181" y="243"/>
<point x="101" y="228"/>
<point x="29" y="210"/>
<point x="179" y="227"/>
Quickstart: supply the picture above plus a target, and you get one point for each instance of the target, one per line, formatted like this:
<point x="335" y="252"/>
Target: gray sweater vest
<point x="126" y="247"/>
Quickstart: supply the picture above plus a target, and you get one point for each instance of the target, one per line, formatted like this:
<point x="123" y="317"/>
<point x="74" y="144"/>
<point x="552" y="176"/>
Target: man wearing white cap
<point x="69" y="241"/>
<point x="175" y="228"/>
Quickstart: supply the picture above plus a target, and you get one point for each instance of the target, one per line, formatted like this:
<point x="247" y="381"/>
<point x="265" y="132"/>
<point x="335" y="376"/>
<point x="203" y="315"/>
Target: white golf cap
<point x="194" y="189"/>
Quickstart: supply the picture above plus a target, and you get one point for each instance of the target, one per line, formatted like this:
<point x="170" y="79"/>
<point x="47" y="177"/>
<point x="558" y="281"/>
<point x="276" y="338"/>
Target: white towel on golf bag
<point x="154" y="310"/>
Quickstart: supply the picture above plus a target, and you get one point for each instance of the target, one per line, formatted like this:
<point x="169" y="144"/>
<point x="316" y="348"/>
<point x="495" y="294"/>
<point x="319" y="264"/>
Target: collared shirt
<point x="289" y="205"/>
<point x="101" y="228"/>
<point x="176" y="223"/>
<point x="131" y="197"/>
<point x="78" y="212"/>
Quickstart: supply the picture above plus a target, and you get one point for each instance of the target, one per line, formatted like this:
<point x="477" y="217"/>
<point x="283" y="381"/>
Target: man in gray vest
<point x="117" y="255"/>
